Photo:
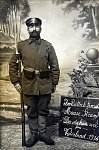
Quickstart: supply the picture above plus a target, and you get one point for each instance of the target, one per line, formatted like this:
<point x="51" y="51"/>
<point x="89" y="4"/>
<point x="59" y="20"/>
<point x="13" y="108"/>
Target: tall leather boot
<point x="42" y="131"/>
<point x="33" y="126"/>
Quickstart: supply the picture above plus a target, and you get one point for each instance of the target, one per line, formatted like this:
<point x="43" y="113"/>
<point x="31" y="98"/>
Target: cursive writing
<point x="81" y="122"/>
<point x="69" y="132"/>
<point x="86" y="113"/>
<point x="78" y="103"/>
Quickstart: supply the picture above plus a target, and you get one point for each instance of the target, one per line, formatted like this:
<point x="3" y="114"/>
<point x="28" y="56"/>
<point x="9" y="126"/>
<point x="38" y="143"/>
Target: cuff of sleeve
<point x="15" y="83"/>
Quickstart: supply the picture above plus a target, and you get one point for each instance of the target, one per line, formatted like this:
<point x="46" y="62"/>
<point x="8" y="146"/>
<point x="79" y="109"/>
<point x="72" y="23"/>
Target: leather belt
<point x="31" y="73"/>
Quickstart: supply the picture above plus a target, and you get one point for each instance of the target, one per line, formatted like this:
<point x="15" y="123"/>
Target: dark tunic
<point x="39" y="55"/>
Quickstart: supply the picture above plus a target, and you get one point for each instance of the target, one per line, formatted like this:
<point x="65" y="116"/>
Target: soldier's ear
<point x="27" y="28"/>
<point x="40" y="28"/>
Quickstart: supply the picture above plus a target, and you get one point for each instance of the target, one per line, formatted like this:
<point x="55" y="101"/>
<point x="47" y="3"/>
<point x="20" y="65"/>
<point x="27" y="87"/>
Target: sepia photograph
<point x="49" y="74"/>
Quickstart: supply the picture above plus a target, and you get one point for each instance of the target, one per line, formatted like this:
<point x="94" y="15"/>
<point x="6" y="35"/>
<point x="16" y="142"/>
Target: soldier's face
<point x="34" y="31"/>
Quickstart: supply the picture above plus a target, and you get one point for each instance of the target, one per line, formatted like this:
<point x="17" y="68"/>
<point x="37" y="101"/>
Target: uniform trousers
<point x="37" y="111"/>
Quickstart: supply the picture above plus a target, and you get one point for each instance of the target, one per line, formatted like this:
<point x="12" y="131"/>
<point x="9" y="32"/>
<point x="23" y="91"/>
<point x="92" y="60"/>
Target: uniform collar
<point x="36" y="41"/>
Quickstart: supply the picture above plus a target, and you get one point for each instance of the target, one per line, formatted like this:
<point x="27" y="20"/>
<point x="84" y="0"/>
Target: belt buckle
<point x="37" y="72"/>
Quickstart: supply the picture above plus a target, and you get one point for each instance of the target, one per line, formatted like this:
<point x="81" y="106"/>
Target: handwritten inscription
<point x="85" y="113"/>
<point x="79" y="118"/>
<point x="78" y="103"/>
<point x="69" y="132"/>
<point x="81" y="122"/>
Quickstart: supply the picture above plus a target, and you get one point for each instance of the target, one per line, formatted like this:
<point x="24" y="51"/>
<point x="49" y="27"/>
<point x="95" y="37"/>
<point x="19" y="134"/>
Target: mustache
<point x="34" y="34"/>
<point x="34" y="31"/>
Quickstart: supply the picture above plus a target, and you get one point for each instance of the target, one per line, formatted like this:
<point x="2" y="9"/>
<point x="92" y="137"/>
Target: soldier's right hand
<point x="18" y="87"/>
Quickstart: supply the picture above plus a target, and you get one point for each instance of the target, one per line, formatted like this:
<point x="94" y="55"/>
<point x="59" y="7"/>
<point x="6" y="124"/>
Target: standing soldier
<point x="39" y="78"/>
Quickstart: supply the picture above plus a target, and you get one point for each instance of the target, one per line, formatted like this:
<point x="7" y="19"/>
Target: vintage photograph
<point x="49" y="74"/>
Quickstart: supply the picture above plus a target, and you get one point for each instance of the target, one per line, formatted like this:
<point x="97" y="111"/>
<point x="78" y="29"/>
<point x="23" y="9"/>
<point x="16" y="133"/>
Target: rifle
<point x="21" y="97"/>
<point x="21" y="94"/>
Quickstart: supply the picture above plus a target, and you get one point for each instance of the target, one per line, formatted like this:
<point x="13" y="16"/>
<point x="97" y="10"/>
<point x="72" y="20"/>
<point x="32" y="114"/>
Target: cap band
<point x="32" y="21"/>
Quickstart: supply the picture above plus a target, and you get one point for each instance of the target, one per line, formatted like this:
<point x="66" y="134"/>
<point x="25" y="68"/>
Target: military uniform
<point x="40" y="73"/>
<point x="39" y="56"/>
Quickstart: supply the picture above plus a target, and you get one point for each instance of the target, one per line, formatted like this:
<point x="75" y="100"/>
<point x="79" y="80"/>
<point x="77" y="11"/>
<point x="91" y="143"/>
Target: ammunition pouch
<point x="44" y="74"/>
<point x="29" y="73"/>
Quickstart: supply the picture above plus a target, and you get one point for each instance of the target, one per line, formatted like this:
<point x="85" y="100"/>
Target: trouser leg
<point x="43" y="111"/>
<point x="32" y="120"/>
<point x="37" y="113"/>
<point x="31" y="103"/>
<point x="42" y="124"/>
<point x="32" y="112"/>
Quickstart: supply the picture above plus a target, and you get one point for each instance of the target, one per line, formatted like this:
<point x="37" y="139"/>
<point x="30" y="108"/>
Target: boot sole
<point x="32" y="144"/>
